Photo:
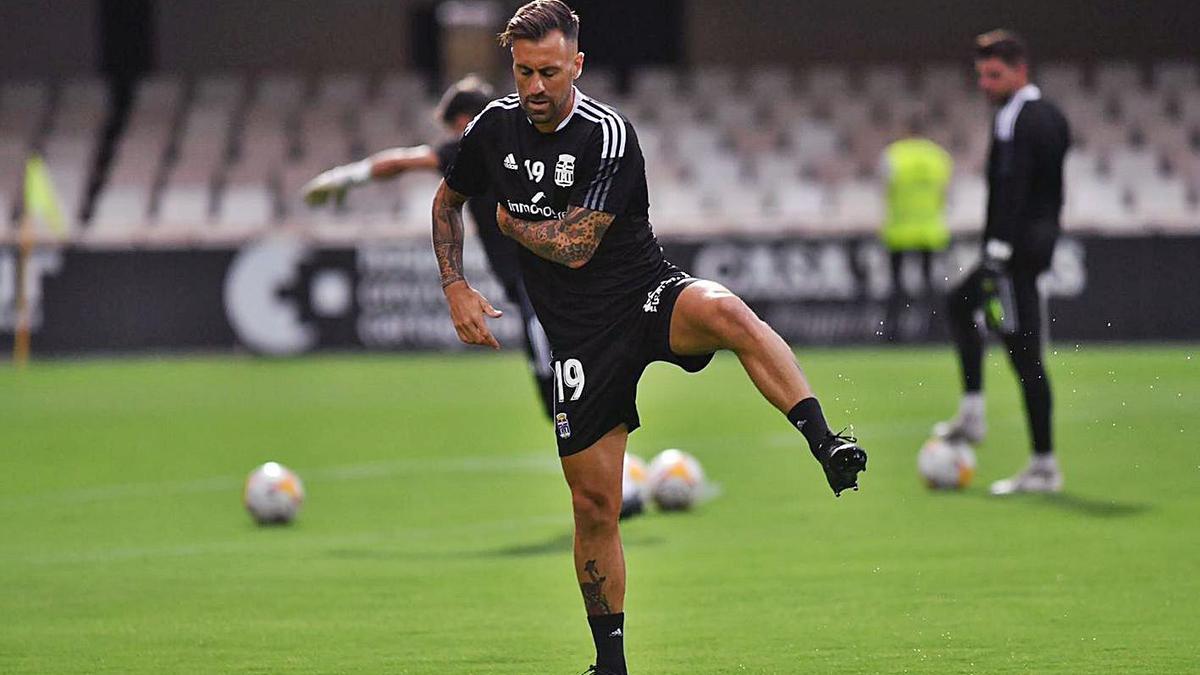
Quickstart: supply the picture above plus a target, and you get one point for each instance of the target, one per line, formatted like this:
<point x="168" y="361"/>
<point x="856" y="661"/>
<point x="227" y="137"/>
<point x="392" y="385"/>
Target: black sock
<point x="608" y="632"/>
<point x="808" y="418"/>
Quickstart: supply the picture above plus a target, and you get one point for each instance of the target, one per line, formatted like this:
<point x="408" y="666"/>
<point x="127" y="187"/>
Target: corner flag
<point x="40" y="201"/>
<point x="41" y="204"/>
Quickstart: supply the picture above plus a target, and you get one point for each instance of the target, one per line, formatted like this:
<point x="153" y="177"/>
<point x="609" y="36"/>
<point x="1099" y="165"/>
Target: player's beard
<point x="543" y="113"/>
<point x="999" y="98"/>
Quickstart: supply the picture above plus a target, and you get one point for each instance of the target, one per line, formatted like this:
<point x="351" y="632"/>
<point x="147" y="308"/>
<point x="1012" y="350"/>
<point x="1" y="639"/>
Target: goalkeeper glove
<point x="999" y="302"/>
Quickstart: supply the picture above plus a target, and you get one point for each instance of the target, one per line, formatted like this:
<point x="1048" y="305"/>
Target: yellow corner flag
<point x="40" y="201"/>
<point x="41" y="204"/>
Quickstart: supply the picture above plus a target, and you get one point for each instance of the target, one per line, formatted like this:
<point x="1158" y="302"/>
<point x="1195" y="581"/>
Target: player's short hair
<point x="469" y="96"/>
<point x="1001" y="44"/>
<point x="533" y="21"/>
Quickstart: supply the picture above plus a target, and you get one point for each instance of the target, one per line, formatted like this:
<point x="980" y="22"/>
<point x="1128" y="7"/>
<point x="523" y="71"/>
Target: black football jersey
<point x="1030" y="138"/>
<point x="592" y="160"/>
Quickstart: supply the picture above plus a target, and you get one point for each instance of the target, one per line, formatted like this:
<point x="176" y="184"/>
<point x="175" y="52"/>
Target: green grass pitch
<point x="436" y="537"/>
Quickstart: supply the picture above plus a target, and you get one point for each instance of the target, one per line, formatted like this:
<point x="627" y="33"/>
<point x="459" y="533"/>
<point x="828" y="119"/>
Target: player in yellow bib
<point x="916" y="172"/>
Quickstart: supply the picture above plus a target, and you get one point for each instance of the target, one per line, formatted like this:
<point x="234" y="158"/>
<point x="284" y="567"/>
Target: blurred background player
<point x="570" y="176"/>
<point x="916" y="171"/>
<point x="459" y="105"/>
<point x="1025" y="194"/>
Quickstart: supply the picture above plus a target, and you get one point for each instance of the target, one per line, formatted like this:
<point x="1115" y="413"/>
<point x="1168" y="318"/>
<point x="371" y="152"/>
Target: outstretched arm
<point x="571" y="241"/>
<point x="468" y="307"/>
<point x="384" y="164"/>
<point x="395" y="161"/>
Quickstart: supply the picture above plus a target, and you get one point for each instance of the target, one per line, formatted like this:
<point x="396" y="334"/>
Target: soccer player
<point x="916" y="172"/>
<point x="459" y="105"/>
<point x="570" y="178"/>
<point x="1025" y="194"/>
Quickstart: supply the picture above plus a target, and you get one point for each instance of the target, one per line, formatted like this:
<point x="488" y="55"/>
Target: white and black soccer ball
<point x="273" y="494"/>
<point x="676" y="480"/>
<point x="634" y="481"/>
<point x="946" y="464"/>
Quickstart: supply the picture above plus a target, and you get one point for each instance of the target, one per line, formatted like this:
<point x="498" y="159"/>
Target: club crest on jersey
<point x="510" y="162"/>
<point x="564" y="171"/>
<point x="563" y="426"/>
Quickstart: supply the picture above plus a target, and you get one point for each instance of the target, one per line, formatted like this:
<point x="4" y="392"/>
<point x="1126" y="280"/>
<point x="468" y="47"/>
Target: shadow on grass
<point x="561" y="543"/>
<point x="1066" y="501"/>
<point x="558" y="544"/>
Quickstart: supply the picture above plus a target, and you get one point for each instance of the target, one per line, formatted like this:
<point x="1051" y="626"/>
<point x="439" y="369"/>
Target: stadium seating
<point x="225" y="154"/>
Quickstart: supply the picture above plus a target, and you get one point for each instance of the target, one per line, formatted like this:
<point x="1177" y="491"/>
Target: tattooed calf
<point x="593" y="591"/>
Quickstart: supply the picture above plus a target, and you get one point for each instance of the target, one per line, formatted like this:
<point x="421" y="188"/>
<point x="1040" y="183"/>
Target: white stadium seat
<point x="184" y="207"/>
<point x="966" y="204"/>
<point x="1176" y="75"/>
<point x="245" y="207"/>
<point x="120" y="209"/>
<point x="1098" y="205"/>
<point x="1117" y="77"/>
<point x="859" y="206"/>
<point x="655" y="82"/>
<point x="802" y="201"/>
<point x="1059" y="77"/>
<point x="1132" y="166"/>
<point x="1165" y="205"/>
<point x="828" y="80"/>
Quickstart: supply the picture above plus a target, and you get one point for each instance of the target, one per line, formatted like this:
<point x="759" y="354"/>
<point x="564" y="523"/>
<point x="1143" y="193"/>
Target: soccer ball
<point x="676" y="480"/>
<point x="946" y="465"/>
<point x="633" y="486"/>
<point x="273" y="494"/>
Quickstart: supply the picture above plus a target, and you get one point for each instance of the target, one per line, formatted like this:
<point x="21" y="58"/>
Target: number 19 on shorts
<point x="568" y="375"/>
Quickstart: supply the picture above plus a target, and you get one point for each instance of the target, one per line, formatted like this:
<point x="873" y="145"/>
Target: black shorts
<point x="595" y="382"/>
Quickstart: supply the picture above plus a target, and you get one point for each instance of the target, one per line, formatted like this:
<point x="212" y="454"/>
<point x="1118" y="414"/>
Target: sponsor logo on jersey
<point x="564" y="171"/>
<point x="538" y="197"/>
<point x="655" y="296"/>
<point x="545" y="212"/>
<point x="563" y="426"/>
<point x="510" y="162"/>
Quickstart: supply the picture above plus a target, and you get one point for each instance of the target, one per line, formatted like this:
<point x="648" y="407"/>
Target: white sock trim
<point x="971" y="405"/>
<point x="1044" y="462"/>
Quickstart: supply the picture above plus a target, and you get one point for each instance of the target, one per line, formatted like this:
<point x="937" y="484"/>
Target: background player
<point x="458" y="106"/>
<point x="570" y="178"/>
<point x="916" y="172"/>
<point x="1025" y="193"/>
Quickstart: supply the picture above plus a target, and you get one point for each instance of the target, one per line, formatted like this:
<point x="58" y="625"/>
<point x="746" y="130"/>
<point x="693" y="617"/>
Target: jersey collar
<point x="1006" y="119"/>
<point x="575" y="95"/>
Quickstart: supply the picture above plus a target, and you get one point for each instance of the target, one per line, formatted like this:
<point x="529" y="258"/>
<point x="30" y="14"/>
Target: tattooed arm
<point x="448" y="233"/>
<point x="467" y="305"/>
<point x="571" y="241"/>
